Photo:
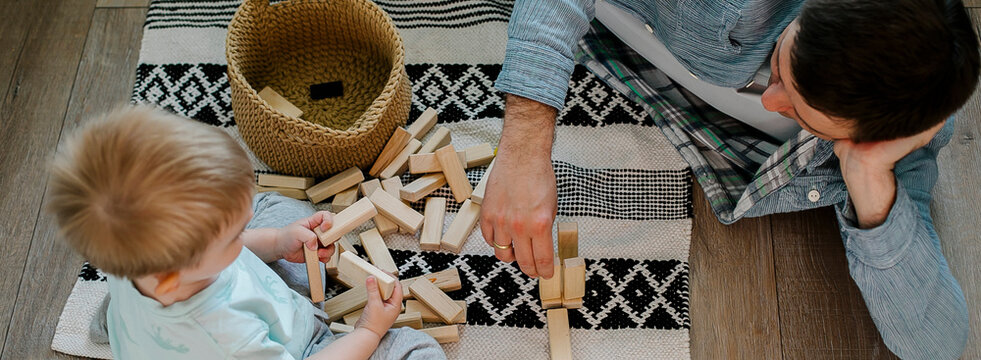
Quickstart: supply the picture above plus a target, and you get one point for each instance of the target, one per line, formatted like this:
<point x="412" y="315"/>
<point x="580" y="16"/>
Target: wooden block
<point x="335" y="184"/>
<point x="385" y="225"/>
<point x="436" y="299"/>
<point x="394" y="209"/>
<point x="421" y="163"/>
<point x="478" y="193"/>
<point x="455" y="174"/>
<point x="293" y="182"/>
<point x="422" y="186"/>
<point x="429" y="316"/>
<point x="343" y="244"/>
<point x="461" y="227"/>
<point x="479" y="155"/>
<point x="353" y="317"/>
<point x="568" y="240"/>
<point x="347" y="220"/>
<point x="400" y="163"/>
<point x="432" y="228"/>
<point x="411" y="319"/>
<point x="330" y="267"/>
<point x="559" y="337"/>
<point x="444" y="334"/>
<point x="279" y="103"/>
<point x="441" y="137"/>
<point x="572" y="303"/>
<point x="573" y="278"/>
<point x="552" y="303"/>
<point x="346" y="302"/>
<point x="344" y="280"/>
<point x="287" y="192"/>
<point x="551" y="289"/>
<point x="395" y="144"/>
<point x="423" y="124"/>
<point x="393" y="186"/>
<point x="446" y="280"/>
<point x="313" y="274"/>
<point x="361" y="269"/>
<point x="338" y="328"/>
<point x="377" y="251"/>
<point x="344" y="199"/>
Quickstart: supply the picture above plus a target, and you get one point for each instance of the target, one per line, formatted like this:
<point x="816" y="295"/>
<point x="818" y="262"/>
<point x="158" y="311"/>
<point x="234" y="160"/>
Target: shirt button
<point x="649" y="29"/>
<point x="813" y="196"/>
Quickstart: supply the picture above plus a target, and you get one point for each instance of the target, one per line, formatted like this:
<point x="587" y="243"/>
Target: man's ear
<point x="167" y="282"/>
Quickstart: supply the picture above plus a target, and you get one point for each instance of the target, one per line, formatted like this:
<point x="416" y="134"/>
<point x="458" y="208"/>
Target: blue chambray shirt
<point x="917" y="305"/>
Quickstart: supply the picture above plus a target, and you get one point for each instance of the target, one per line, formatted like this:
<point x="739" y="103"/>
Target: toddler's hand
<point x="378" y="315"/>
<point x="291" y="238"/>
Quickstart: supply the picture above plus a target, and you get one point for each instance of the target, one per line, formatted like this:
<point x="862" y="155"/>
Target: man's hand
<point x="520" y="202"/>
<point x="379" y="315"/>
<point x="291" y="238"/>
<point x="868" y="172"/>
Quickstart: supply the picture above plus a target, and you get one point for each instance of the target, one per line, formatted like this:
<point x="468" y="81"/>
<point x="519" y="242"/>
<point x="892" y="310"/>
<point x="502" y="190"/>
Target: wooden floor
<point x="765" y="288"/>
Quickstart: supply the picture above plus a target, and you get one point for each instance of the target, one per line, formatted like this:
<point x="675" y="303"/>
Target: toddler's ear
<point x="167" y="282"/>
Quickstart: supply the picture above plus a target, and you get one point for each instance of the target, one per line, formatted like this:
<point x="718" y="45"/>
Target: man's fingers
<point x="487" y="230"/>
<point x="524" y="255"/>
<point x="544" y="256"/>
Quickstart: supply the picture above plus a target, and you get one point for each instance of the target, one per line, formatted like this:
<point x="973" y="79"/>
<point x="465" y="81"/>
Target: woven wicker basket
<point x="292" y="44"/>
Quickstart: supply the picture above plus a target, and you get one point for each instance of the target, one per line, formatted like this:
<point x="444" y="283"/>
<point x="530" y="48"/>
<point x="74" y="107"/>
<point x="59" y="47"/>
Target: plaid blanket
<point x="618" y="178"/>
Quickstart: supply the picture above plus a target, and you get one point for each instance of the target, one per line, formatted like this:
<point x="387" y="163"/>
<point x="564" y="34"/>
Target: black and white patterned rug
<point x="618" y="178"/>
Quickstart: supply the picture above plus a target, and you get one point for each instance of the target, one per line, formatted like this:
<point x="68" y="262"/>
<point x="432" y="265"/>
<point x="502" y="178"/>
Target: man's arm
<point x="893" y="251"/>
<point x="520" y="204"/>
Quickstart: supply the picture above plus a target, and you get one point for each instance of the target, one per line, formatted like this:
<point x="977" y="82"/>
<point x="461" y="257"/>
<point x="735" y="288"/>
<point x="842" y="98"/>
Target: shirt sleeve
<point x="541" y="37"/>
<point x="900" y="269"/>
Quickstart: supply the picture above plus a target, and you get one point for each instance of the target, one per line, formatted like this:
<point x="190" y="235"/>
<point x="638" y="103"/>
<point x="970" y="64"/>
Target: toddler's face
<point x="221" y="252"/>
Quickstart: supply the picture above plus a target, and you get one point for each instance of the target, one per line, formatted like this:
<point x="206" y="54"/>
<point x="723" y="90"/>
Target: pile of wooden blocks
<point x="386" y="201"/>
<point x="563" y="291"/>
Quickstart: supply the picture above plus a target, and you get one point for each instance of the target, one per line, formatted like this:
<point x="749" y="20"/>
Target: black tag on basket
<point x="326" y="90"/>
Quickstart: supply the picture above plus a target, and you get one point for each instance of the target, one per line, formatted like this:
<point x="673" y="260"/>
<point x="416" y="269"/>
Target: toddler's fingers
<point x="327" y="220"/>
<point x="374" y="296"/>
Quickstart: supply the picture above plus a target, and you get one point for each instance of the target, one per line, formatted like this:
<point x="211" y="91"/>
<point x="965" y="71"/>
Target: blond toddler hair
<point x="142" y="191"/>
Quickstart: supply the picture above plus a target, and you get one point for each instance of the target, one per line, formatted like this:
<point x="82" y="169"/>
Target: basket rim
<point x="371" y="116"/>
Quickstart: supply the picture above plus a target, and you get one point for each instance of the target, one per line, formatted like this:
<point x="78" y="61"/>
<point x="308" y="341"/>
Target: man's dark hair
<point x="891" y="68"/>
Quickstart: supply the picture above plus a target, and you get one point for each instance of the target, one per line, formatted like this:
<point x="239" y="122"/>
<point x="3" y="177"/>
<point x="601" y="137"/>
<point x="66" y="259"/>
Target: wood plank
<point x="573" y="278"/>
<point x="419" y="128"/>
<point x="361" y="270"/>
<point x="421" y="163"/>
<point x="394" y="209"/>
<point x="335" y="184"/>
<point x="444" y="334"/>
<point x="377" y="251"/>
<point x="459" y="231"/>
<point x="58" y="67"/>
<point x="568" y="240"/>
<point x="436" y="299"/>
<point x="344" y="199"/>
<point x="279" y="103"/>
<point x="316" y="281"/>
<point x="385" y="225"/>
<point x="398" y="141"/>
<point x="429" y="316"/>
<point x="733" y="296"/>
<point x="970" y="4"/>
<point x="956" y="206"/>
<point x="455" y="175"/>
<point x="559" y="337"/>
<point x="446" y="280"/>
<point x="400" y="163"/>
<point x="479" y="155"/>
<point x="425" y="185"/>
<point x="822" y="314"/>
<point x="16" y="23"/>
<point x="347" y="220"/>
<point x="346" y="302"/>
<point x="276" y="180"/>
<point x="432" y="227"/>
<point x="287" y="192"/>
<point x="440" y="138"/>
<point x="478" y="192"/>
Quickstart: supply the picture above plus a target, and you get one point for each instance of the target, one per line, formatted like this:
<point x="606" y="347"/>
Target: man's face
<point x="781" y="94"/>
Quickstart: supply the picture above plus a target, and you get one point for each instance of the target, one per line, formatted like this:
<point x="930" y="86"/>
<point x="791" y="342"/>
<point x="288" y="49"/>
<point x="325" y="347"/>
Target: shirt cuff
<point x="884" y="245"/>
<point x="535" y="72"/>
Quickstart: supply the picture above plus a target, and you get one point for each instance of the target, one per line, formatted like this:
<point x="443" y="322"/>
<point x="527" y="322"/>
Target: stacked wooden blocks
<point x="563" y="291"/>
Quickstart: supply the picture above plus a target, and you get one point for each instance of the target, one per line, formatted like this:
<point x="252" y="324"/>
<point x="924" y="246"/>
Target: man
<point x="872" y="83"/>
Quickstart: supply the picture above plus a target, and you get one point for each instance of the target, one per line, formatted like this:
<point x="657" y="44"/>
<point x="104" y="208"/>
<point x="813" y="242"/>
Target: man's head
<point x="872" y="70"/>
<point x="142" y="192"/>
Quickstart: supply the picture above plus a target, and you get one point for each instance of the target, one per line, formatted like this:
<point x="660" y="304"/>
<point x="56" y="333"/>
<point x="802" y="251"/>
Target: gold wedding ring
<point x="502" y="247"/>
